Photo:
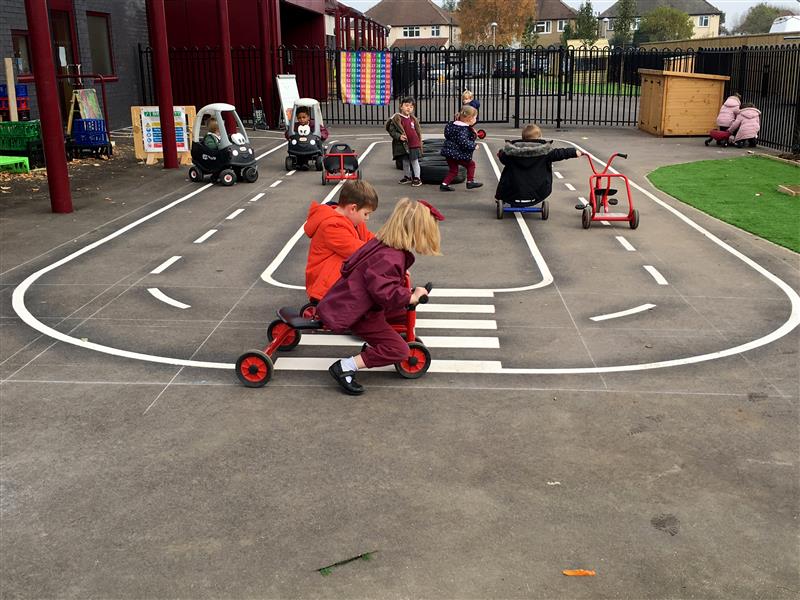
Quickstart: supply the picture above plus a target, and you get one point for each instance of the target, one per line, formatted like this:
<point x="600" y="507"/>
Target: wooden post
<point x="12" y="91"/>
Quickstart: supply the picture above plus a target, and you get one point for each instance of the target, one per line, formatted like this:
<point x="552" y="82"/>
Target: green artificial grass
<point x="741" y="191"/>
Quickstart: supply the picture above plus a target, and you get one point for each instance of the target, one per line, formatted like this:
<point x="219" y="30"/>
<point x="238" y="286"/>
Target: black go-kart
<point x="233" y="158"/>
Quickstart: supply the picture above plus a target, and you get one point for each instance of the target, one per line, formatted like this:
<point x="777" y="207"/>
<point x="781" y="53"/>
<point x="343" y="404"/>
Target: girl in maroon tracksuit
<point x="459" y="144"/>
<point x="372" y="286"/>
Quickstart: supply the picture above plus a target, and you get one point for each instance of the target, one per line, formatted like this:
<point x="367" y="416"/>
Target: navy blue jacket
<point x="459" y="142"/>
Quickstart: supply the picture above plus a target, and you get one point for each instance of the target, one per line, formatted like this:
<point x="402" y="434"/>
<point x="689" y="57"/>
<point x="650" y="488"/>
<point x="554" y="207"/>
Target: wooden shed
<point x="676" y="103"/>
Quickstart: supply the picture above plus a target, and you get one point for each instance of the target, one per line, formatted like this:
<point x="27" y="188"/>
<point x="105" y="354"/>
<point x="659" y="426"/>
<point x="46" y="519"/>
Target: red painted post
<point x="158" y="40"/>
<point x="225" y="51"/>
<point x="266" y="59"/>
<point x="44" y="73"/>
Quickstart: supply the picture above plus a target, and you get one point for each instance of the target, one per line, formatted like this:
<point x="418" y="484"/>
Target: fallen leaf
<point x="578" y="573"/>
<point x="5" y="188"/>
<point x="34" y="189"/>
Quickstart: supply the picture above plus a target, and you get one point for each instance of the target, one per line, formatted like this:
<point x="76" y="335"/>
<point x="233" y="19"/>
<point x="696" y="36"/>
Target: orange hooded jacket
<point x="333" y="240"/>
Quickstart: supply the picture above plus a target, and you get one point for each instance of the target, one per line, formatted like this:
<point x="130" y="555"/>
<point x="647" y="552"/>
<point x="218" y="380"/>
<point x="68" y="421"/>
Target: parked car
<point x="437" y="70"/>
<point x="528" y="67"/>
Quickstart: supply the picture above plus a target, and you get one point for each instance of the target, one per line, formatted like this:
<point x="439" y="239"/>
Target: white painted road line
<point x="291" y="363"/>
<point x="605" y="223"/>
<point x="456" y="324"/>
<point x="256" y="197"/>
<point x="205" y="236"/>
<point x="582" y="200"/>
<point x="456" y="308"/>
<point x="271" y="150"/>
<point x="159" y="295"/>
<point x="290" y="173"/>
<point x="623" y="313"/>
<point x="165" y="265"/>
<point x="234" y="214"/>
<point x="460" y="293"/>
<point x="431" y="341"/>
<point x="570" y="187"/>
<point x="625" y="244"/>
<point x="557" y="174"/>
<point x="276" y="184"/>
<point x="656" y="275"/>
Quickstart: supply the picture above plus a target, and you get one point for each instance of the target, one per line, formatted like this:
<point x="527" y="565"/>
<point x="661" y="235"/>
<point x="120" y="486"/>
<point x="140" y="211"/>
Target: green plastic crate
<point x="15" y="164"/>
<point x="14" y="136"/>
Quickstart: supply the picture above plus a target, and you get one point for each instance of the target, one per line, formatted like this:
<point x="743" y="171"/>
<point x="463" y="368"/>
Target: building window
<point x="609" y="24"/>
<point x="543" y="26"/>
<point x="20" y="52"/>
<point x="562" y="25"/>
<point x="100" y="43"/>
<point x="435" y="30"/>
<point x="411" y="31"/>
<point x="702" y="21"/>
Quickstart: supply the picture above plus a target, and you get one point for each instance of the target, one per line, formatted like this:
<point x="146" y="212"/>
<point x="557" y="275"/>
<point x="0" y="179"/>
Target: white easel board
<point x="287" y="91"/>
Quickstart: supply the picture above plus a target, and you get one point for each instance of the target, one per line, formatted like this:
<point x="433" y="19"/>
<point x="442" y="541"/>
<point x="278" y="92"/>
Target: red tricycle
<point x="254" y="368"/>
<point x="721" y="137"/>
<point x="340" y="163"/>
<point x="601" y="197"/>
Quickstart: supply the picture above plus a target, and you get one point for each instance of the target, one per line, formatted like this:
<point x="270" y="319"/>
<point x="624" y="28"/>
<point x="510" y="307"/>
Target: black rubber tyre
<point x="707" y="142"/>
<point x="586" y="217"/>
<point x="634" y="222"/>
<point x="195" y="175"/>
<point x="433" y="172"/>
<point x="275" y="328"/>
<point x="416" y="364"/>
<point x="545" y="210"/>
<point x="254" y="369"/>
<point x="308" y="310"/>
<point x="289" y="163"/>
<point x="499" y="207"/>
<point x="324" y="178"/>
<point x="227" y="177"/>
<point x="359" y="174"/>
<point x="318" y="163"/>
<point x="250" y="174"/>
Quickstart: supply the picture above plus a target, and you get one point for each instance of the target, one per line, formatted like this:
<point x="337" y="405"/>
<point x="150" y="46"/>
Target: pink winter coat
<point x="747" y="124"/>
<point x="727" y="114"/>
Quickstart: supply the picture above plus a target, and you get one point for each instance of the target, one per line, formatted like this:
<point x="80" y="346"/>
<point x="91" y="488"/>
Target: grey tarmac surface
<point x="123" y="478"/>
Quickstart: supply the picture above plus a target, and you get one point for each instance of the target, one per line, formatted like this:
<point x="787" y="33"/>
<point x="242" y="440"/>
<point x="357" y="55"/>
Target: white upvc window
<point x="544" y="26"/>
<point x="562" y="24"/>
<point x="412" y="31"/>
<point x="609" y="24"/>
<point x="435" y="30"/>
<point x="702" y="21"/>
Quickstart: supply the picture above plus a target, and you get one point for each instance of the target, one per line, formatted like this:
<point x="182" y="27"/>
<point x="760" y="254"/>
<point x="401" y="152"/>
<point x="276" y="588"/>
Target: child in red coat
<point x="372" y="286"/>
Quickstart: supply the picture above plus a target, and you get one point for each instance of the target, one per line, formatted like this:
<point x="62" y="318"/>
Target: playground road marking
<point x="431" y="341"/>
<point x="165" y="265"/>
<point x="656" y="275"/>
<point x="256" y="197"/>
<point x="625" y="243"/>
<point x="159" y="295"/>
<point x="456" y="324"/>
<point x="276" y="184"/>
<point x="557" y="174"/>
<point x="623" y="313"/>
<point x="456" y="308"/>
<point x="605" y="223"/>
<point x="582" y="200"/>
<point x="234" y="214"/>
<point x="290" y="363"/>
<point x="290" y="173"/>
<point x="271" y="150"/>
<point x="460" y="293"/>
<point x="205" y="236"/>
<point x="570" y="187"/>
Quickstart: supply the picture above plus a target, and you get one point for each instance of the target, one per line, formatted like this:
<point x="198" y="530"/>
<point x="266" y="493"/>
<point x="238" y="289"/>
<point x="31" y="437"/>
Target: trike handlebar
<point x="424" y="299"/>
<point x="608" y="163"/>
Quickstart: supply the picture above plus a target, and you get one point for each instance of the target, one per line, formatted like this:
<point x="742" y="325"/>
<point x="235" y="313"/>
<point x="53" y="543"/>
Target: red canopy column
<point x="223" y="22"/>
<point x="158" y="41"/>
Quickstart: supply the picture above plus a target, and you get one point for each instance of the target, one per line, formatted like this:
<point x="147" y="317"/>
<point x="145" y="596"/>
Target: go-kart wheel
<point x="359" y="174"/>
<point x="416" y="364"/>
<point x="586" y="217"/>
<point x="254" y="368"/>
<point x="195" y="175"/>
<point x="707" y="142"/>
<point x="499" y="206"/>
<point x="318" y="163"/>
<point x="324" y="178"/>
<point x="634" y="222"/>
<point x="277" y="328"/>
<point x="545" y="210"/>
<point x="309" y="310"/>
<point x="227" y="177"/>
<point x="289" y="163"/>
<point x="250" y="174"/>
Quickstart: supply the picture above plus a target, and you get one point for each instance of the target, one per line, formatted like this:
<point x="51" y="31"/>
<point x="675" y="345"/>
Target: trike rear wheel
<point x="634" y="222"/>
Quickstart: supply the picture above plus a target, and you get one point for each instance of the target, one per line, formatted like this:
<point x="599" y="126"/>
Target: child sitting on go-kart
<point x="212" y="138"/>
<point x="336" y="232"/>
<point x="304" y="125"/>
<point x="528" y="172"/>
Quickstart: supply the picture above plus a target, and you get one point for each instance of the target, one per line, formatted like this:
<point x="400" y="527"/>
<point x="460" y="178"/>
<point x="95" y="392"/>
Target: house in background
<point x="705" y="16"/>
<point x="552" y="18"/>
<point x="416" y="23"/>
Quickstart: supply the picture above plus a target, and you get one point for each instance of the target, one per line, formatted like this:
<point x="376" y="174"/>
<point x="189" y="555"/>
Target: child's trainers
<point x="416" y="182"/>
<point x="445" y="188"/>
<point x="471" y="185"/>
<point x="405" y="180"/>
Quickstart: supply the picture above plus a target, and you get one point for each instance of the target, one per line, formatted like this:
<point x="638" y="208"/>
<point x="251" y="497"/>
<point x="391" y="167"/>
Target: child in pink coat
<point x="746" y="126"/>
<point x="727" y="114"/>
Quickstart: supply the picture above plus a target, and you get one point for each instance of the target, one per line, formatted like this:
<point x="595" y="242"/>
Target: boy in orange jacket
<point x="336" y="232"/>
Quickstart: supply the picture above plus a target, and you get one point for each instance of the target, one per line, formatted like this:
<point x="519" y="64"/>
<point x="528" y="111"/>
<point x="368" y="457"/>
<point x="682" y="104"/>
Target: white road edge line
<point x="256" y="197"/>
<point x="625" y="243"/>
<point x="623" y="313"/>
<point x="165" y="265"/>
<point x="234" y="214"/>
<point x="660" y="280"/>
<point x="276" y="183"/>
<point x="205" y="236"/>
<point x="159" y="295"/>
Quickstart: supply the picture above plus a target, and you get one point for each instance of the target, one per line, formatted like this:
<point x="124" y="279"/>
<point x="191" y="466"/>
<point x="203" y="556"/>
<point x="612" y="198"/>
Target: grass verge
<point x="741" y="191"/>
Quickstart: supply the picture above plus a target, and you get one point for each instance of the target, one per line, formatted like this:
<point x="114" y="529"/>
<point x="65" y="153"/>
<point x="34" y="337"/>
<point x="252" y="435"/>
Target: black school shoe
<point x="405" y="180"/>
<point x="471" y="185"/>
<point x="445" y="188"/>
<point x="352" y="387"/>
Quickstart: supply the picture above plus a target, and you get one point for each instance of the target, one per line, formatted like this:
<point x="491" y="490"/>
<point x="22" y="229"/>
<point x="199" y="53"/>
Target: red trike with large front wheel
<point x="601" y="196"/>
<point x="254" y="368"/>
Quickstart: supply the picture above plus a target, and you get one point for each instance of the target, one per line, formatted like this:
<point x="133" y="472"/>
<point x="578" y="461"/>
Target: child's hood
<point x="732" y="102"/>
<point x="527" y="148"/>
<point x="750" y="113"/>
<point x="317" y="215"/>
<point x="367" y="252"/>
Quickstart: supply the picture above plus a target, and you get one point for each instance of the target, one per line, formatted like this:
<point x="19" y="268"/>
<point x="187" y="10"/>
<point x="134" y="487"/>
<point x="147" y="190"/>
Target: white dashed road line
<point x="656" y="275"/>
<point x="165" y="265"/>
<point x="290" y="173"/>
<point x="256" y="197"/>
<point x="625" y="244"/>
<point x="570" y="187"/>
<point x="276" y="184"/>
<point x="205" y="236"/>
<point x="623" y="313"/>
<point x="159" y="295"/>
<point x="234" y="214"/>
<point x="557" y="174"/>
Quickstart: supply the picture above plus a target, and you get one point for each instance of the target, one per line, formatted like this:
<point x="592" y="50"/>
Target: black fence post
<point x="516" y="86"/>
<point x="561" y="56"/>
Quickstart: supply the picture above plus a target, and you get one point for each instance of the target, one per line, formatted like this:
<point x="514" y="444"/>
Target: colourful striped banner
<point x="366" y="77"/>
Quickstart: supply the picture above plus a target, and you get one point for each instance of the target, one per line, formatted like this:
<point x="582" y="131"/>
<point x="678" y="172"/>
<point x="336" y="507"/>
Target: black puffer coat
<point x="528" y="172"/>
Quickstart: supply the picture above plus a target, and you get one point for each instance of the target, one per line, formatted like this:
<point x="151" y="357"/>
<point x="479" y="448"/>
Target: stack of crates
<point x="23" y="103"/>
<point x="16" y="138"/>
<point x="91" y="135"/>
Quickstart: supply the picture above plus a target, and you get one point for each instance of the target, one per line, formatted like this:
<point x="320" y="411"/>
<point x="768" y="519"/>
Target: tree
<point x="531" y="36"/>
<point x="760" y="17"/>
<point x="567" y="35"/>
<point x="475" y="17"/>
<point x="623" y="20"/>
<point x="664" y="23"/>
<point x="586" y="24"/>
<point x="450" y="5"/>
